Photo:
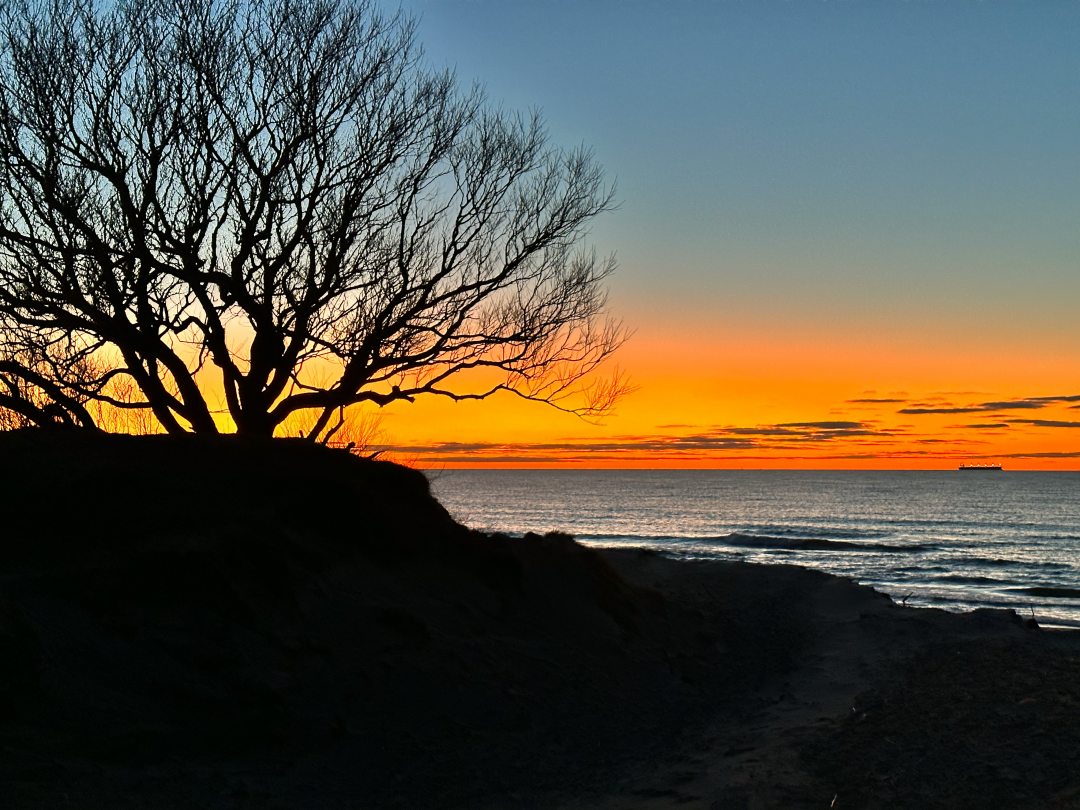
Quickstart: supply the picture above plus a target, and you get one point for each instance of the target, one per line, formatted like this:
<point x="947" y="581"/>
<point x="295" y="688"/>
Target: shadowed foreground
<point x="196" y="623"/>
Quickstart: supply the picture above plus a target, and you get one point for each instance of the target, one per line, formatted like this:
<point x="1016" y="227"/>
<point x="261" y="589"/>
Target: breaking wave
<point x="766" y="541"/>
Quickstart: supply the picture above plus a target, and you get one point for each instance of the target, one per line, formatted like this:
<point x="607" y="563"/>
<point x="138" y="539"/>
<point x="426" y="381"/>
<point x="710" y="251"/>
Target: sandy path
<point x="753" y="755"/>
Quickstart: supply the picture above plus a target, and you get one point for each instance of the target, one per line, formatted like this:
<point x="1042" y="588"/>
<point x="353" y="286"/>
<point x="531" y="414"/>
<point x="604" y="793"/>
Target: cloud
<point x="1026" y="403"/>
<point x="1050" y="423"/>
<point x="921" y="411"/>
<point x="782" y="438"/>
<point x="1014" y="404"/>
<point x="762" y="431"/>
<point x="592" y="458"/>
<point x="802" y="432"/>
<point x="619" y="444"/>
<point x="815" y="440"/>
<point x="875" y="401"/>
<point x="1069" y="454"/>
<point x="824" y="425"/>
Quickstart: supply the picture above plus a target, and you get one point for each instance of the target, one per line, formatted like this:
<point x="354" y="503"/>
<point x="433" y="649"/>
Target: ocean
<point x="954" y="540"/>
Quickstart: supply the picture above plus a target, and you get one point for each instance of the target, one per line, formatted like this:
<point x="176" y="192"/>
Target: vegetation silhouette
<point x="220" y="622"/>
<point x="234" y="214"/>
<point x="313" y="628"/>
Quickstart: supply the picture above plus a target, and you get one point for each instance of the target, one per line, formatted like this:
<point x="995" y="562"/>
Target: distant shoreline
<point x="555" y="467"/>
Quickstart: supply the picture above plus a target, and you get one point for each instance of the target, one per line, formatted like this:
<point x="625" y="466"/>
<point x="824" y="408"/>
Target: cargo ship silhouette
<point x="980" y="467"/>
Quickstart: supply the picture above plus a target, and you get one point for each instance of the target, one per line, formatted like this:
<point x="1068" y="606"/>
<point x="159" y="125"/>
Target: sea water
<point x="955" y="540"/>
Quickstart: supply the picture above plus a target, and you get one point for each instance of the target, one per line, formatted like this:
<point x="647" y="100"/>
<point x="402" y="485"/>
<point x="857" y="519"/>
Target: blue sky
<point x="841" y="156"/>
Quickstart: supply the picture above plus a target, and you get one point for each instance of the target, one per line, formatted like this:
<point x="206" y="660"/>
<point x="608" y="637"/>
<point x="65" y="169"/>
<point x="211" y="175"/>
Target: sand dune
<point x="228" y="624"/>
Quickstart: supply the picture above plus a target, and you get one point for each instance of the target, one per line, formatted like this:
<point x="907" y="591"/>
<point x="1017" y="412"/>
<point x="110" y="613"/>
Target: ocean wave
<point x="768" y="531"/>
<point x="770" y="542"/>
<point x="961" y="601"/>
<point x="817" y="544"/>
<point x="792" y="543"/>
<point x="961" y="579"/>
<point x="1002" y="562"/>
<point x="826" y="532"/>
<point x="1049" y="591"/>
<point x="920" y="569"/>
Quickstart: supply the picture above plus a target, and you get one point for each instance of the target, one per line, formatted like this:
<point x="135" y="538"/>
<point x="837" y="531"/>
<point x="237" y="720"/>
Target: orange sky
<point x="715" y="397"/>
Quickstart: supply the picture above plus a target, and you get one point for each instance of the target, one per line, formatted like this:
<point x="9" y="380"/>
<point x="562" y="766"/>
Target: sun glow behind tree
<point x="275" y="206"/>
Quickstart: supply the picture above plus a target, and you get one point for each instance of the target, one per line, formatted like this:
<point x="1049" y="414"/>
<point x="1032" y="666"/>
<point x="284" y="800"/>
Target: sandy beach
<point x="315" y="631"/>
<point x="882" y="706"/>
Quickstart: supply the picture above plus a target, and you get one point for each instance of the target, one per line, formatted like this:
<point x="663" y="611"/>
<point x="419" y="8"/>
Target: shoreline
<point x="952" y="607"/>
<point x="850" y="691"/>
<point x="947" y="541"/>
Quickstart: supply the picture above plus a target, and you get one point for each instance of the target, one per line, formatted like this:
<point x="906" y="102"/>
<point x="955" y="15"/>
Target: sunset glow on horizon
<point x="747" y="418"/>
<point x="847" y="234"/>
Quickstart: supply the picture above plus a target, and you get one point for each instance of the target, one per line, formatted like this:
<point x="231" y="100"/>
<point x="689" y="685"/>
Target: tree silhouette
<point x="273" y="207"/>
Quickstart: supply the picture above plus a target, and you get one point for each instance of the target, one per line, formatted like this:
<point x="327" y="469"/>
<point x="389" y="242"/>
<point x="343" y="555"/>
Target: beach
<point x="882" y="706"/>
<point x="255" y="651"/>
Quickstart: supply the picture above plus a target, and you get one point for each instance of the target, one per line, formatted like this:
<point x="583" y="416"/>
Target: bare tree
<point x="251" y="209"/>
<point x="32" y="365"/>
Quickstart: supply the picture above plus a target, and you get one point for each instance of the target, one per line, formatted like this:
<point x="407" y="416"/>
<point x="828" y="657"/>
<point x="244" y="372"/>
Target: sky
<point x="848" y="233"/>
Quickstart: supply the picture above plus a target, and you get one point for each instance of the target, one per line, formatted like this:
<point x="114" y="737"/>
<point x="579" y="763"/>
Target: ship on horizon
<point x="997" y="467"/>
